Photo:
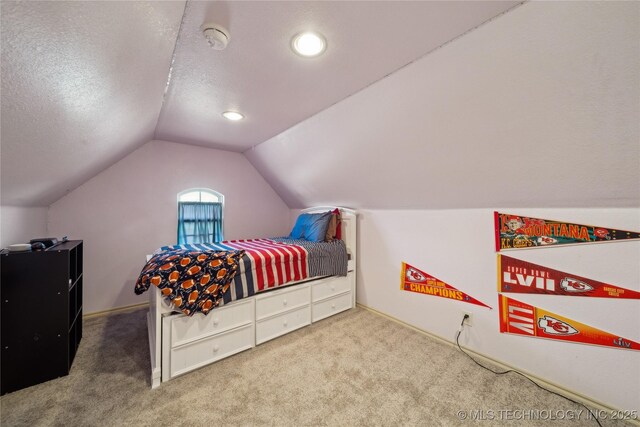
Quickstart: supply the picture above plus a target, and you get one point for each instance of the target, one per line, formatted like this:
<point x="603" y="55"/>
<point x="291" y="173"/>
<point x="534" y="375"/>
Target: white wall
<point x="21" y="224"/>
<point x="457" y="246"/>
<point x="130" y="209"/>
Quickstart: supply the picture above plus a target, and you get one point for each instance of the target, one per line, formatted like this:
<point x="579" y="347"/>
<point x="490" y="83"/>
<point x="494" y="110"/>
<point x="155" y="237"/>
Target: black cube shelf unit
<point x="41" y="295"/>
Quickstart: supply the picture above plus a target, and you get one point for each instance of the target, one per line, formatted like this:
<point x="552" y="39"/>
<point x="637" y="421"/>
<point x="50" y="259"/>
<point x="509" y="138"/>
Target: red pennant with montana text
<point x="415" y="280"/>
<point x="520" y="232"/>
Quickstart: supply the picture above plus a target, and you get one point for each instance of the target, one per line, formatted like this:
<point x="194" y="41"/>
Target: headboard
<point x="349" y="229"/>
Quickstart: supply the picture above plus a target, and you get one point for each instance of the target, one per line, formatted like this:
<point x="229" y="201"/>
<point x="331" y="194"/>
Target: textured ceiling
<point x="83" y="83"/>
<point x="82" y="86"/>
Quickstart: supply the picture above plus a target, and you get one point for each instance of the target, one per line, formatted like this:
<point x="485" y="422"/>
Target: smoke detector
<point x="216" y="35"/>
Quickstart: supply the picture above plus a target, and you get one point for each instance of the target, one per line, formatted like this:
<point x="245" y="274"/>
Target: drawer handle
<point x="216" y="348"/>
<point x="284" y="323"/>
<point x="333" y="306"/>
<point x="333" y="287"/>
<point x="284" y="302"/>
<point x="215" y="322"/>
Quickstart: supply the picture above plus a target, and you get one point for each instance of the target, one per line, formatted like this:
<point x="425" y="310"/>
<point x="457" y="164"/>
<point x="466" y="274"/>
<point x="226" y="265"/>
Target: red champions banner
<point x="418" y="281"/>
<point x="517" y="232"/>
<point x="523" y="277"/>
<point x="523" y="319"/>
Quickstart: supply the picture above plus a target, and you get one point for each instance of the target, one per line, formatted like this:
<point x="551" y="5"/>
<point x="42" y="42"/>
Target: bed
<point x="179" y="344"/>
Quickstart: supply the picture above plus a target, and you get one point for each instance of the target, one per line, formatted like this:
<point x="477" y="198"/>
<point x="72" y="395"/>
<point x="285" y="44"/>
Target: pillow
<point x="331" y="229"/>
<point x="302" y="223"/>
<point x="298" y="228"/>
<point x="316" y="229"/>
<point x="334" y="228"/>
<point x="336" y="212"/>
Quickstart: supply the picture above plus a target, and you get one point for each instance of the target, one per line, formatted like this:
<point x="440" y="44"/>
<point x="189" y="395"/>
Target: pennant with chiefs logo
<point x="415" y="280"/>
<point x="523" y="319"/>
<point x="518" y="232"/>
<point x="523" y="277"/>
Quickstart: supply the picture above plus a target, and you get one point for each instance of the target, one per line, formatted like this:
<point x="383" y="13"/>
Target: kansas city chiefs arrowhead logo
<point x="553" y="326"/>
<point x="415" y="276"/>
<point x="573" y="285"/>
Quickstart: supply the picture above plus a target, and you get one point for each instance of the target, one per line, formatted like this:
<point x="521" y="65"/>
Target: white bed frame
<point x="179" y="344"/>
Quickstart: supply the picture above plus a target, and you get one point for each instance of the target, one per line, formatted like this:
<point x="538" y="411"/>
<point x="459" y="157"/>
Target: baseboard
<point x="590" y="402"/>
<point x="115" y="310"/>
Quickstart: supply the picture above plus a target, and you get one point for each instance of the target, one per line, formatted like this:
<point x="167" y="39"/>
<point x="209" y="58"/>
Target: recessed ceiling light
<point x="309" y="44"/>
<point x="232" y="115"/>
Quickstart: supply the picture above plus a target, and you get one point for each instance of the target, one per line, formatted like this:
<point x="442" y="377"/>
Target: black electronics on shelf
<point x="41" y="295"/>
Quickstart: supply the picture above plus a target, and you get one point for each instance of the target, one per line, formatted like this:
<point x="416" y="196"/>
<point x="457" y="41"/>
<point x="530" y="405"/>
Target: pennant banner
<point x="517" y="232"/>
<point x="418" y="281"/>
<point x="523" y="319"/>
<point x="523" y="277"/>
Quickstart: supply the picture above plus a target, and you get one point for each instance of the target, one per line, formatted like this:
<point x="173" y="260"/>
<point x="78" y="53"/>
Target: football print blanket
<point x="192" y="280"/>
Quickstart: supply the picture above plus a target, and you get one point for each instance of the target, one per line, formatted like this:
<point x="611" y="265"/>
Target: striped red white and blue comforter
<point x="274" y="262"/>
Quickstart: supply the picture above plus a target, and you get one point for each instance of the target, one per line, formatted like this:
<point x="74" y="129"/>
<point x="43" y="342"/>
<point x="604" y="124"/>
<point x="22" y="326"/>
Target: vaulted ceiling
<point x="85" y="83"/>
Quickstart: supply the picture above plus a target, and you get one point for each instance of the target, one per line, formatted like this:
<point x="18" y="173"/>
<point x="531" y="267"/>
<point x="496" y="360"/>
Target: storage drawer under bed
<point x="268" y="329"/>
<point x="330" y="306"/>
<point x="282" y="300"/>
<point x="282" y="311"/>
<point x="189" y="343"/>
<point x="185" y="329"/>
<point x="329" y="287"/>
<point x="196" y="354"/>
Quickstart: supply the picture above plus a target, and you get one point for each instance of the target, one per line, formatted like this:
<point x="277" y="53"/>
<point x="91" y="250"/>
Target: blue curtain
<point x="199" y="222"/>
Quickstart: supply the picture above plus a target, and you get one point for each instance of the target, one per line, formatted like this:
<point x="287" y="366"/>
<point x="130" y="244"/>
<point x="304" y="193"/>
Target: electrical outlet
<point x="469" y="320"/>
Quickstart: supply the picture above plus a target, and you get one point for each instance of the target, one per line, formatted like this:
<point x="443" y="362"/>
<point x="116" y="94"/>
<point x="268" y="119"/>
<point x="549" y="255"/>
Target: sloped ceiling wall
<point x="538" y="108"/>
<point x="82" y="86"/>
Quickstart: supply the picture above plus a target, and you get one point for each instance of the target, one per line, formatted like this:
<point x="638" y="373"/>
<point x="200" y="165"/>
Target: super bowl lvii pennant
<point x="523" y="319"/>
<point x="517" y="276"/>
<point x="414" y="280"/>
<point x="518" y="232"/>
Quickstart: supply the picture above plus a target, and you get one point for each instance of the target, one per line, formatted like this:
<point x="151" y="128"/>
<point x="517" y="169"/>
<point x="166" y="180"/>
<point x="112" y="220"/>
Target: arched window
<point x="200" y="216"/>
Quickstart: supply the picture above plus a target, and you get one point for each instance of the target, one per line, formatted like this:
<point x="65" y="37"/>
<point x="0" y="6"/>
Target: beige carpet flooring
<point x="356" y="368"/>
